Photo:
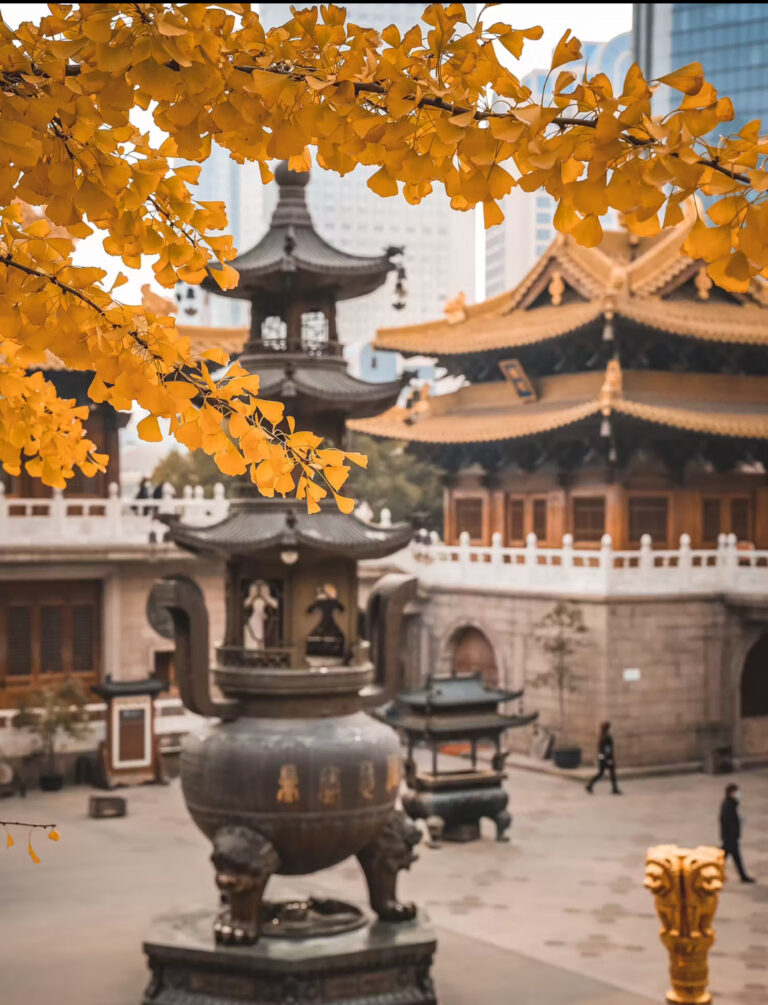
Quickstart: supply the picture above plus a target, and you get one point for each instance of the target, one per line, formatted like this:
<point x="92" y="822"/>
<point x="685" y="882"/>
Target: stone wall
<point x="689" y="653"/>
<point x="130" y="639"/>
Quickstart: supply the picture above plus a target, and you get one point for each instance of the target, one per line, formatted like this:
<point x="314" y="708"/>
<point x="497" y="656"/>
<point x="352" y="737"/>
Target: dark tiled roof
<point x="259" y="525"/>
<point x="455" y="692"/>
<point x="292" y="245"/>
<point x="326" y="381"/>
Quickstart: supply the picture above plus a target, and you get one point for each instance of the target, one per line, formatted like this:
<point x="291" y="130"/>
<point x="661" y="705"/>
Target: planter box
<point x="567" y="757"/>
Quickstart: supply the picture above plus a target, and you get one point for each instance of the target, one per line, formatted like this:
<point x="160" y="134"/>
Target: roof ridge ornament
<point x="556" y="289"/>
<point x="703" y="283"/>
<point x="455" y="310"/>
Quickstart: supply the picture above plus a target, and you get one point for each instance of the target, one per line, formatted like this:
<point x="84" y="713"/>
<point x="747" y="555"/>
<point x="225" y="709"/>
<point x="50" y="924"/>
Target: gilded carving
<point x="330" y="786"/>
<point x="288" y="786"/>
<point x="685" y="884"/>
<point x="394" y="772"/>
<point x="367" y="780"/>
<point x="556" y="289"/>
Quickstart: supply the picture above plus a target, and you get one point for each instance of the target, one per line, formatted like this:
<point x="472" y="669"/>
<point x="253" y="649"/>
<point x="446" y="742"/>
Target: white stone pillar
<point x="606" y="562"/>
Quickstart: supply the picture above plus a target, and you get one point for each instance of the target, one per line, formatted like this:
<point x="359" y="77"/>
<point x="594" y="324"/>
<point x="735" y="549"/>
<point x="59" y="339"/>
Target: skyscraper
<point x="439" y="242"/>
<point x="730" y="40"/>
<point x="527" y="230"/>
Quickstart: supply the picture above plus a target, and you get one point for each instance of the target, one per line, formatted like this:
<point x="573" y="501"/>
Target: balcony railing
<point x="602" y="571"/>
<point x="71" y="520"/>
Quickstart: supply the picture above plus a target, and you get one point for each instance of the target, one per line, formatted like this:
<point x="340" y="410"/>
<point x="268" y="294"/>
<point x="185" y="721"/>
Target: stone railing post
<point x="385" y="517"/>
<point x="496" y="546"/>
<point x="685" y="884"/>
<point x="645" y="561"/>
<point x="567" y="560"/>
<point x="57" y="516"/>
<point x="464" y="545"/>
<point x="220" y="506"/>
<point x="606" y="560"/>
<point x="114" y="511"/>
<point x="684" y="560"/>
<point x="732" y="559"/>
<point x="166" y="501"/>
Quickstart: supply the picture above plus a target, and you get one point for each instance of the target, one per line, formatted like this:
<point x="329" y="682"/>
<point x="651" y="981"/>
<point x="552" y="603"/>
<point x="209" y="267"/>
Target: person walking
<point x="606" y="760"/>
<point x="730" y="830"/>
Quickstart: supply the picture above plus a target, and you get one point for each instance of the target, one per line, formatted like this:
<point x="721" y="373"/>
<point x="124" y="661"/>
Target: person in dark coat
<point x="730" y="830"/>
<point x="606" y="760"/>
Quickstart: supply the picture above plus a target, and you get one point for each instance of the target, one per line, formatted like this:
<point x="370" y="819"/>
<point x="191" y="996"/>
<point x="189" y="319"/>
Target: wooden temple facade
<point x="614" y="391"/>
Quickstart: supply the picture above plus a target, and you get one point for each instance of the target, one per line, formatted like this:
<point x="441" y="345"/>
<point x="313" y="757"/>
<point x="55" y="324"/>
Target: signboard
<point x="515" y="375"/>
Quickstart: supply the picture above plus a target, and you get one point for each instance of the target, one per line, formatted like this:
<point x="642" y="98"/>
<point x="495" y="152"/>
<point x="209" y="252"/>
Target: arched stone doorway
<point x="754" y="699"/>
<point x="471" y="652"/>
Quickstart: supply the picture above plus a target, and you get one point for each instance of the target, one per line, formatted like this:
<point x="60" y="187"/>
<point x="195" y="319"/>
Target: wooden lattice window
<point x="740" y="519"/>
<point x="589" y="518"/>
<point x="19" y="641"/>
<point x="469" y="517"/>
<point x="51" y="638"/>
<point x="540" y="519"/>
<point x="515" y="520"/>
<point x="48" y="629"/>
<point x="648" y="515"/>
<point x="84" y="636"/>
<point x="710" y="520"/>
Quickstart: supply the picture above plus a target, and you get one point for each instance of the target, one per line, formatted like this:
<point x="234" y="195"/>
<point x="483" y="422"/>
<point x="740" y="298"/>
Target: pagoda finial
<point x="287" y="177"/>
<point x="291" y="209"/>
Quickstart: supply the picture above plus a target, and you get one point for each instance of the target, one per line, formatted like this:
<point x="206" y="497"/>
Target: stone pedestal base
<point x="380" y="964"/>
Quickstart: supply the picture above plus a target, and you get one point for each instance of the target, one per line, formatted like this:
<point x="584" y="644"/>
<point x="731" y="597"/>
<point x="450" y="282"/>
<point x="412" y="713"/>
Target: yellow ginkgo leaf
<point x="32" y="852"/>
<point x="53" y="835"/>
<point x="149" y="429"/>
<point x="9" y="841"/>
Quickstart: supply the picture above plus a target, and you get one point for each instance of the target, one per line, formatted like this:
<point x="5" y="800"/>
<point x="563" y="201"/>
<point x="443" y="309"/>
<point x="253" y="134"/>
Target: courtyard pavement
<point x="558" y="916"/>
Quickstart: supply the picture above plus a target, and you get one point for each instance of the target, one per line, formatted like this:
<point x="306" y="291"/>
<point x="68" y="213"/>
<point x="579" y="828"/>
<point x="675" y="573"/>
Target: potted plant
<point x="558" y="634"/>
<point x="48" y="713"/>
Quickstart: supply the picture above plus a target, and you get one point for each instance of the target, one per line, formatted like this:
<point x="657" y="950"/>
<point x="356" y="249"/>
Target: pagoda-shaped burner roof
<point x="285" y="524"/>
<point x="293" y="248"/>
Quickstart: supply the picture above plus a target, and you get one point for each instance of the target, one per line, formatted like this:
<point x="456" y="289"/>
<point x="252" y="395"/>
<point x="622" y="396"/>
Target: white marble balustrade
<point x="600" y="571"/>
<point x="69" y="521"/>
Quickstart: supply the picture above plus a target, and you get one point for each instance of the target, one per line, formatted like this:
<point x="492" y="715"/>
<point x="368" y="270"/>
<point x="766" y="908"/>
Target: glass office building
<point x="730" y="40"/>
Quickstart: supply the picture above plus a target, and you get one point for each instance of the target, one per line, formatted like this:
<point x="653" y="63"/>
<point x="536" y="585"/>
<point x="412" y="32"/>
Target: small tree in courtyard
<point x="52" y="712"/>
<point x="558" y="634"/>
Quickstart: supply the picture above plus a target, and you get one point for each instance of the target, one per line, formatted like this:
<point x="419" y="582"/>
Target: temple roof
<point x="644" y="280"/>
<point x="718" y="404"/>
<point x="253" y="527"/>
<point x="292" y="246"/>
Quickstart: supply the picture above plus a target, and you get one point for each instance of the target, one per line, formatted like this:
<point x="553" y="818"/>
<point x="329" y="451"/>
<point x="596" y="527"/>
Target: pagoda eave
<point x="286" y="526"/>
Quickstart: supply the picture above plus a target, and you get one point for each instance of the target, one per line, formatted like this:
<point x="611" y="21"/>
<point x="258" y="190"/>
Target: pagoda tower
<point x="614" y="391"/>
<point x="293" y="280"/>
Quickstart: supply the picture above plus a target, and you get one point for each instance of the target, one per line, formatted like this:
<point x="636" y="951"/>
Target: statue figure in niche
<point x="261" y="617"/>
<point x="326" y="638"/>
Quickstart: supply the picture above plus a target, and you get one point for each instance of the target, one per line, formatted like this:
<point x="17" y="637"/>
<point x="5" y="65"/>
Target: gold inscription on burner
<point x="288" y="790"/>
<point x="330" y="786"/>
<point x="394" y="772"/>
<point x="367" y="780"/>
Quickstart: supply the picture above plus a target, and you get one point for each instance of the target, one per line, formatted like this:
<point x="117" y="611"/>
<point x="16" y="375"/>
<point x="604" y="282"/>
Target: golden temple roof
<point x="639" y="279"/>
<point x="719" y="404"/>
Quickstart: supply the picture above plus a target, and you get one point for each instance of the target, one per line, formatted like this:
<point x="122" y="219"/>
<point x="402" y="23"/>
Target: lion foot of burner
<point x="228" y="932"/>
<point x="383" y="859"/>
<point x="244" y="860"/>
